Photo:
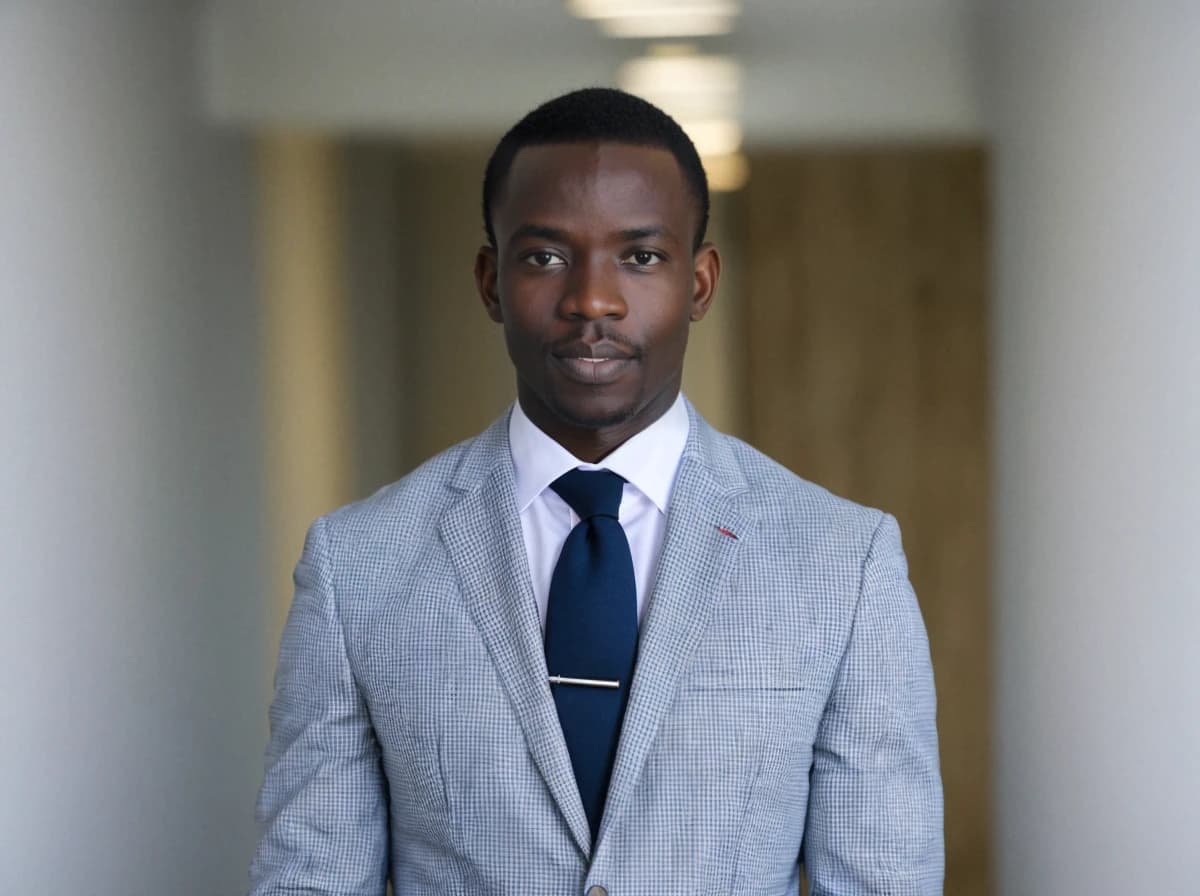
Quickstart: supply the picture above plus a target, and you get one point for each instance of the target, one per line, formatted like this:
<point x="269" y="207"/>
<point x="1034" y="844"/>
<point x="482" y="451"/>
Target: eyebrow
<point x="537" y="231"/>
<point x="541" y="232"/>
<point x="645" y="233"/>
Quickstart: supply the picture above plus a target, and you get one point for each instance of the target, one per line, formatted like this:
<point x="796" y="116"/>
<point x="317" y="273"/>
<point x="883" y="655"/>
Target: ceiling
<point x="812" y="70"/>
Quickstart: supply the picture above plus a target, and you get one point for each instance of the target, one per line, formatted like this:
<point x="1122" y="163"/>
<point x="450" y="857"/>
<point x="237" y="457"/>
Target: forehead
<point x="618" y="183"/>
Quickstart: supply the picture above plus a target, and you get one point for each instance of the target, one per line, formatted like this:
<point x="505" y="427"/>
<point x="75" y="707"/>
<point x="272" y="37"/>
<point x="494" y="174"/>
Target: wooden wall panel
<point x="865" y="312"/>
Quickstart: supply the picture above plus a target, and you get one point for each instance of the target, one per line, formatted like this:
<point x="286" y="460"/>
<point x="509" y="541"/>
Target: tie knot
<point x="591" y="492"/>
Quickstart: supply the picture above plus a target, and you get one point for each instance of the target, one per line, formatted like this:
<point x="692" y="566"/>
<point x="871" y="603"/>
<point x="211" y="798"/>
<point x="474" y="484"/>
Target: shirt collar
<point x="648" y="461"/>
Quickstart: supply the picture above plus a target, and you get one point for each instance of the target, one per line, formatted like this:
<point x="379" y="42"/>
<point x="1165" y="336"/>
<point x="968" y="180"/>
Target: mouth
<point x="593" y="365"/>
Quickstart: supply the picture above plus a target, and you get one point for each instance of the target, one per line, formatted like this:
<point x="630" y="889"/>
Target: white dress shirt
<point x="647" y="462"/>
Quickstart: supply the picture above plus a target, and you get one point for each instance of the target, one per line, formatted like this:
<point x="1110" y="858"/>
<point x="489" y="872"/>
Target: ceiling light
<point x="658" y="18"/>
<point x="686" y="86"/>
<point x="607" y="9"/>
<point x="672" y="25"/>
<point x="714" y="136"/>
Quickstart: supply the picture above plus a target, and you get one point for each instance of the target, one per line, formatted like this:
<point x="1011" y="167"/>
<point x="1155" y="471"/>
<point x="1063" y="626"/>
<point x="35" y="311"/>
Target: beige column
<point x="307" y="401"/>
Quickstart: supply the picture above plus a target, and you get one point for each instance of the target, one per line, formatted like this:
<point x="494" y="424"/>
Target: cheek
<point x="665" y="325"/>
<point x="529" y="304"/>
<point x="518" y="339"/>
<point x="525" y="338"/>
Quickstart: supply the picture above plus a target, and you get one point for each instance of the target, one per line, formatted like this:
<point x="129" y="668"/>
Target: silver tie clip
<point x="585" y="682"/>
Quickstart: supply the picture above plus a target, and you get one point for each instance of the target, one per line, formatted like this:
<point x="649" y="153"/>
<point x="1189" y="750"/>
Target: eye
<point x="543" y="258"/>
<point x="645" y="258"/>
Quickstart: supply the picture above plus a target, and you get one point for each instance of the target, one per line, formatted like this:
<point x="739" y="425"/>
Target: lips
<point x="597" y="364"/>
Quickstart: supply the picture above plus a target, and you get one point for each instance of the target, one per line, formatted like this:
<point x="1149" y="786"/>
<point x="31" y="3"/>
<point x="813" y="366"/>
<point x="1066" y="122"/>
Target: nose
<point x="593" y="291"/>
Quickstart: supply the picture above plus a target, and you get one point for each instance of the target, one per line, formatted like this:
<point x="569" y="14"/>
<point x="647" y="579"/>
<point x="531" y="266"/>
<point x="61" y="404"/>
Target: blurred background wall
<point x="132" y="690"/>
<point x="1097" y="432"/>
<point x="237" y="242"/>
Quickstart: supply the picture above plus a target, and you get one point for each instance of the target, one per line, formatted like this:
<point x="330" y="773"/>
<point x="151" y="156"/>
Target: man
<point x="601" y="648"/>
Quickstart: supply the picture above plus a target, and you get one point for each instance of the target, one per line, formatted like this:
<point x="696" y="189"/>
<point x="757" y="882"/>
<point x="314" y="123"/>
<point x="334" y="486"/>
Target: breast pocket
<point x="750" y="710"/>
<point x="746" y="678"/>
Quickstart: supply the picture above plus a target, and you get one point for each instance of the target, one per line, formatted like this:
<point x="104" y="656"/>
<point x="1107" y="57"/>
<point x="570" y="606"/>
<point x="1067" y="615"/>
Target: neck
<point x="591" y="444"/>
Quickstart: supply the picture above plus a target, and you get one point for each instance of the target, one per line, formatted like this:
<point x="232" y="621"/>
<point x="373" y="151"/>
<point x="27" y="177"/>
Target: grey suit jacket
<point x="782" y="708"/>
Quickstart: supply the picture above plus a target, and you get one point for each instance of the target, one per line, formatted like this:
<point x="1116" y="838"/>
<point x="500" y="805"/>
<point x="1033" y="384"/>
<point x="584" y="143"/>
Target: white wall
<point x="1097" y="364"/>
<point x="132" y="680"/>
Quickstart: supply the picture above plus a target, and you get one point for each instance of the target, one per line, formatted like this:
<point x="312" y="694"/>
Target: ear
<point x="706" y="271"/>
<point x="486" y="274"/>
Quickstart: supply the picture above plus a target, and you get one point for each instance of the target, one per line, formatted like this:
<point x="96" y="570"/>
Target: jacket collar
<point x="490" y="454"/>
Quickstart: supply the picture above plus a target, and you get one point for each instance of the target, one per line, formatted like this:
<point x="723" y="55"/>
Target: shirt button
<point x="597" y="891"/>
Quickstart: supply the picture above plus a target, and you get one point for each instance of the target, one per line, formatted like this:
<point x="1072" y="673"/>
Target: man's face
<point x="596" y="283"/>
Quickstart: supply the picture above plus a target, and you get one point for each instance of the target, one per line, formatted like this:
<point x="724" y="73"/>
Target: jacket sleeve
<point x="875" y="798"/>
<point x="323" y="809"/>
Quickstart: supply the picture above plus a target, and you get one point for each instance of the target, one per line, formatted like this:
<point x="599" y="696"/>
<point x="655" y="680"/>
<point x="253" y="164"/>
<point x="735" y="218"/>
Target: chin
<point x="596" y="420"/>
<point x="596" y="414"/>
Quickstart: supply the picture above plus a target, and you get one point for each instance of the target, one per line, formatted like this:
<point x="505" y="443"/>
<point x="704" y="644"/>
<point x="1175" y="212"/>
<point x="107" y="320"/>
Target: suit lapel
<point x="695" y="562"/>
<point x="482" y="533"/>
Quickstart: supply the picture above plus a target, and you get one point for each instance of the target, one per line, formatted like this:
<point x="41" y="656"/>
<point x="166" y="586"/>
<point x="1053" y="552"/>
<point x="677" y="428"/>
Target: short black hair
<point x="601" y="114"/>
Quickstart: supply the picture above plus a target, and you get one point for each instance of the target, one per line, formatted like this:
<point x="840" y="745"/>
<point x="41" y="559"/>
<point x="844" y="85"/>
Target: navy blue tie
<point x="591" y="631"/>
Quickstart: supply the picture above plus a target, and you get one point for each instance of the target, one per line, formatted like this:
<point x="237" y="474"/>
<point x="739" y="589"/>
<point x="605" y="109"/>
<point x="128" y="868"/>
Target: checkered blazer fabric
<point x="782" y="708"/>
